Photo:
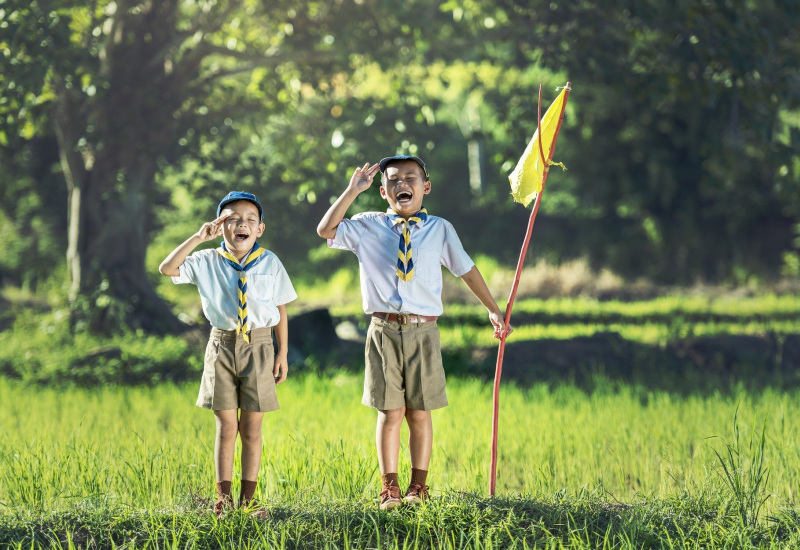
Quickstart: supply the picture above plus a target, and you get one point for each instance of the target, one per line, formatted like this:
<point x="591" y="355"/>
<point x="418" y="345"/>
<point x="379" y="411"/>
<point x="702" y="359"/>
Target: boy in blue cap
<point x="400" y="254"/>
<point x="243" y="289"/>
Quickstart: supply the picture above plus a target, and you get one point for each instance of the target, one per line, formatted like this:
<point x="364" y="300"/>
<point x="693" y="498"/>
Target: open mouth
<point x="404" y="196"/>
<point x="240" y="236"/>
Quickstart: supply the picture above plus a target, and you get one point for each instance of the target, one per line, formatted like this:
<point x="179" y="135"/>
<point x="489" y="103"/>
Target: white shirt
<point x="268" y="286"/>
<point x="375" y="241"/>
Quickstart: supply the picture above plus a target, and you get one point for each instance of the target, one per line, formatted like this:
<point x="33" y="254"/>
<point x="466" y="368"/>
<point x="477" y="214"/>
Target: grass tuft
<point x="745" y="473"/>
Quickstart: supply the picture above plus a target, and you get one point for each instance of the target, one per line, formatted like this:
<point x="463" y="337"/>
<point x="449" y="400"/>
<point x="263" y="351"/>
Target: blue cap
<point x="240" y="196"/>
<point x="418" y="160"/>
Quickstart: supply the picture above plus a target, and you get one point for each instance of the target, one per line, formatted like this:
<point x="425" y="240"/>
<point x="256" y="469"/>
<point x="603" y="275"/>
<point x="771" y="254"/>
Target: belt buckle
<point x="402" y="318"/>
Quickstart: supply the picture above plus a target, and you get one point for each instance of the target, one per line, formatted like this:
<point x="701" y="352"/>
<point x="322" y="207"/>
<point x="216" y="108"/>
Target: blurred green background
<point x="123" y="123"/>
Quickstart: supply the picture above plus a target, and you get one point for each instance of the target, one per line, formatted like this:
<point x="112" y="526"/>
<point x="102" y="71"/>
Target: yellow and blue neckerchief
<point x="405" y="263"/>
<point x="249" y="261"/>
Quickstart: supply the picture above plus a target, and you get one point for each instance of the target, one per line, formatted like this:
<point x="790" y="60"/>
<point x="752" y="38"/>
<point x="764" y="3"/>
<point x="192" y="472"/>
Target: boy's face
<point x="242" y="226"/>
<point x="404" y="186"/>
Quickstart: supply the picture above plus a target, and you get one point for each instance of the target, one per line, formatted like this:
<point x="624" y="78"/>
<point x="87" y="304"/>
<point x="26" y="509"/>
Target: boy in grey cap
<point x="243" y="289"/>
<point x="400" y="254"/>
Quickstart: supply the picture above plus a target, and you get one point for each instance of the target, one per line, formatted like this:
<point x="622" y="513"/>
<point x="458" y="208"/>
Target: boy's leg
<point x="250" y="432"/>
<point x="225" y="443"/>
<point x="420" y="437"/>
<point x="224" y="448"/>
<point x="387" y="439"/>
<point x="257" y="395"/>
<point x="420" y="443"/>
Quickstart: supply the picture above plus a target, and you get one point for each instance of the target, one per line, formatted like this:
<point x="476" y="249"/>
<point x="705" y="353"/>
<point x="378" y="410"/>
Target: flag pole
<point x="501" y="348"/>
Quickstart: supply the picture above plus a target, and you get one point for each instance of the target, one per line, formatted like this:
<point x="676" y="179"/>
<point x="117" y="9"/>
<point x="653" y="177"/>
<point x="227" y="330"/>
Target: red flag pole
<point x="501" y="348"/>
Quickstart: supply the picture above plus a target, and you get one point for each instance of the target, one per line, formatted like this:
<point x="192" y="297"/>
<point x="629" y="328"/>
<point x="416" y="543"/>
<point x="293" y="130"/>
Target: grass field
<point x="621" y="467"/>
<point x="627" y="444"/>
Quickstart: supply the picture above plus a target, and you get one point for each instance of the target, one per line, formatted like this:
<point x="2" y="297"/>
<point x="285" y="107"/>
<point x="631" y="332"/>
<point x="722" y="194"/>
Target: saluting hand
<point x="212" y="229"/>
<point x="362" y="177"/>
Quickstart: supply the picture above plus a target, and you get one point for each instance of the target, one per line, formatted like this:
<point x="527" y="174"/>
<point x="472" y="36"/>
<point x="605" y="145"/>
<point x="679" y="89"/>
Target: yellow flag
<point x="527" y="178"/>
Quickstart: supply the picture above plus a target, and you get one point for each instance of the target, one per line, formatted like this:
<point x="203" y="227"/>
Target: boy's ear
<point x="261" y="227"/>
<point x="383" y="191"/>
<point x="427" y="188"/>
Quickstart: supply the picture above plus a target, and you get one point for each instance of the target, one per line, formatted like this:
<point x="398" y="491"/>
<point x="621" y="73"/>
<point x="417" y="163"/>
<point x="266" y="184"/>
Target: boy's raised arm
<point x="209" y="230"/>
<point x="360" y="181"/>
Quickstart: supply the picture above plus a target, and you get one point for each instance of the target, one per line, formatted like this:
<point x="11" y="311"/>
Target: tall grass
<point x="745" y="472"/>
<point x="151" y="447"/>
<point x="621" y="467"/>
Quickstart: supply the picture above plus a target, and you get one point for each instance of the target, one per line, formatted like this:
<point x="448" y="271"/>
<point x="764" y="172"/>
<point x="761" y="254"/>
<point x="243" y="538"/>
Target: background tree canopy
<point x="120" y="119"/>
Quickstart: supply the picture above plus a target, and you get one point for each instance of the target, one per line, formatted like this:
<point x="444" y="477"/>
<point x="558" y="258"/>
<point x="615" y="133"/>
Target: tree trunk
<point x="109" y="145"/>
<point x="107" y="243"/>
<point x="111" y="243"/>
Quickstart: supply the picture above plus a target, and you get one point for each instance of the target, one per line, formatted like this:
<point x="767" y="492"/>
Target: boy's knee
<point x="417" y="416"/>
<point x="393" y="416"/>
<point x="227" y="426"/>
<point x="250" y="429"/>
<point x="250" y="435"/>
<point x="227" y="432"/>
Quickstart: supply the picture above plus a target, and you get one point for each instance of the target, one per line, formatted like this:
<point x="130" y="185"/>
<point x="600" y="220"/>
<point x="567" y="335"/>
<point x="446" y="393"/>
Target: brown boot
<point x="390" y="495"/>
<point x="224" y="498"/>
<point x="417" y="490"/>
<point x="248" y="503"/>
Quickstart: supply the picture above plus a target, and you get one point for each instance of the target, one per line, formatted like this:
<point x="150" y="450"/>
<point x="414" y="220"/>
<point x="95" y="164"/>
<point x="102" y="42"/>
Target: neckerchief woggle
<point x="249" y="261"/>
<point x="405" y="261"/>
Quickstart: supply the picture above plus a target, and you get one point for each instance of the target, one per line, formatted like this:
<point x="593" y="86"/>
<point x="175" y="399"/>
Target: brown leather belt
<point x="405" y="318"/>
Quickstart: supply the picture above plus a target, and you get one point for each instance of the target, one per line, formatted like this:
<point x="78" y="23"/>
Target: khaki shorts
<point x="403" y="366"/>
<point x="238" y="375"/>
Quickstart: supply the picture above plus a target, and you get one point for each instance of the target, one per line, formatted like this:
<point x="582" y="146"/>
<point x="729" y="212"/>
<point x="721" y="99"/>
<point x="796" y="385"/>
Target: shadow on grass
<point x="693" y="364"/>
<point x="698" y="365"/>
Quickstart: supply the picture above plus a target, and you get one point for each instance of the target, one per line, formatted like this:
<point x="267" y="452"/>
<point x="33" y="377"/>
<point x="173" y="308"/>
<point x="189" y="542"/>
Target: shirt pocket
<point x="427" y="264"/>
<point x="260" y="287"/>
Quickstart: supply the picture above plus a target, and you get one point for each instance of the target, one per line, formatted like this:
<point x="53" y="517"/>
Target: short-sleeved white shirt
<point x="268" y="286"/>
<point x="375" y="241"/>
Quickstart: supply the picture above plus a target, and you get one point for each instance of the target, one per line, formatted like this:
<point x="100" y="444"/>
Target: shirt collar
<point x="388" y="222"/>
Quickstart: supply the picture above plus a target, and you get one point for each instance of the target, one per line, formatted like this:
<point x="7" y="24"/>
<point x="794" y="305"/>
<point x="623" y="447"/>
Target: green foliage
<point x="33" y="211"/>
<point x="685" y="153"/>
<point x="41" y="349"/>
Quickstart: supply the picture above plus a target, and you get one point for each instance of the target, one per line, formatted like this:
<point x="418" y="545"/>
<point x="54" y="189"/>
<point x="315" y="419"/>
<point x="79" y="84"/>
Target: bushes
<point x="42" y="351"/>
